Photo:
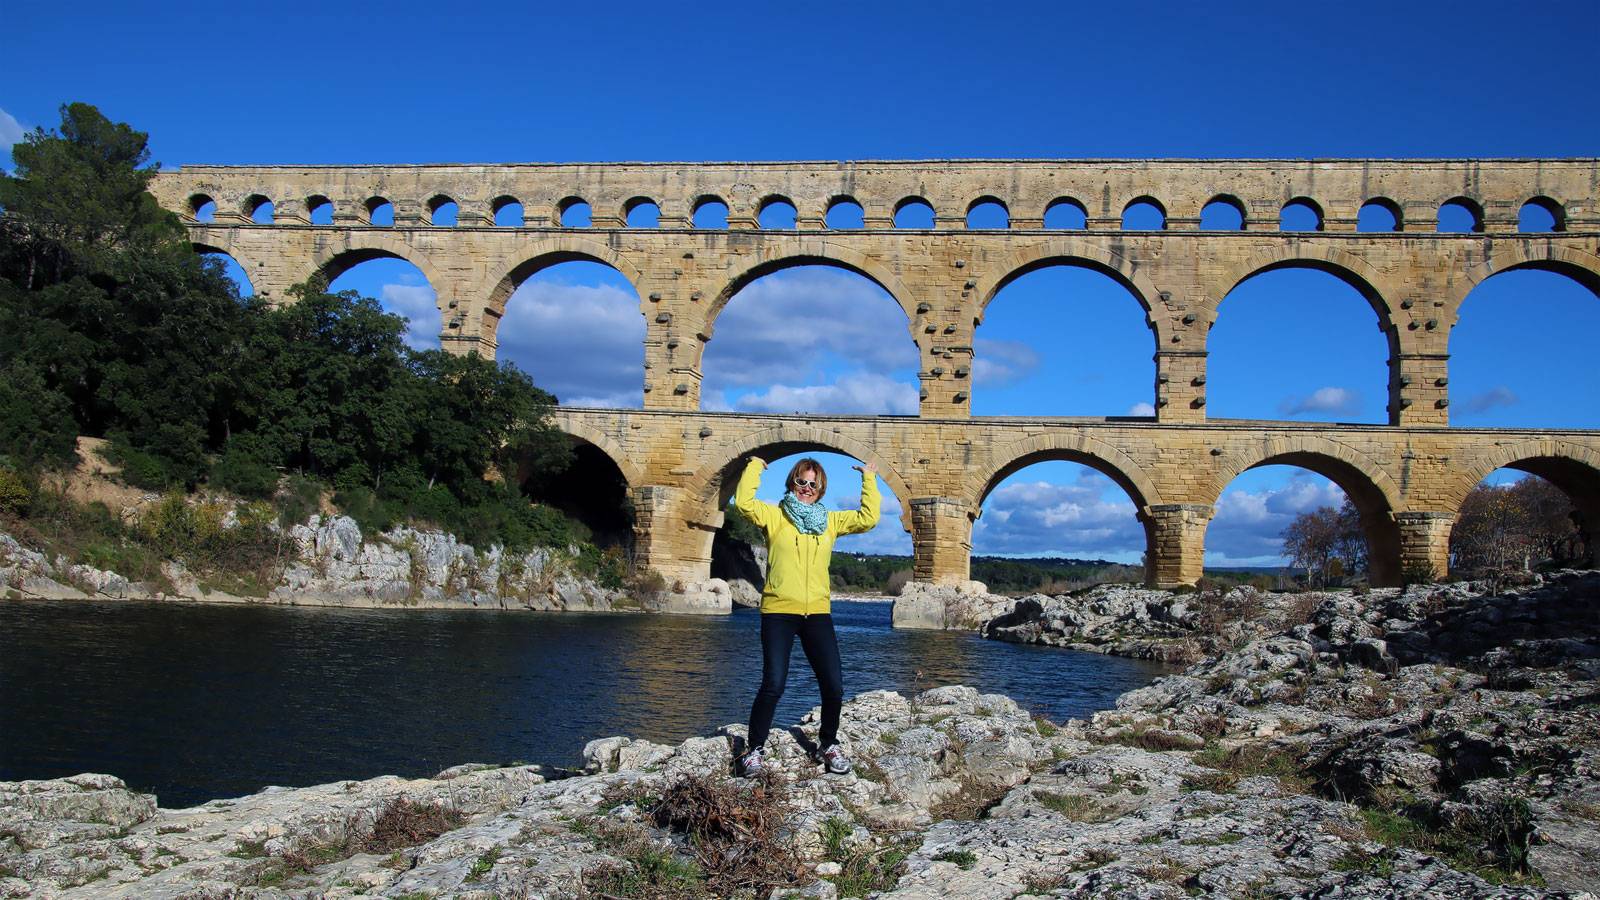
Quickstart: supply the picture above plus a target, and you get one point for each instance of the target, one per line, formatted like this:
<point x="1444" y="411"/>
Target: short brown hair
<point x="813" y="465"/>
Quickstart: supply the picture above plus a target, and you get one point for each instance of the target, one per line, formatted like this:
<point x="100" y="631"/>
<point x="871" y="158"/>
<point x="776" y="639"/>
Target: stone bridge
<point x="1408" y="478"/>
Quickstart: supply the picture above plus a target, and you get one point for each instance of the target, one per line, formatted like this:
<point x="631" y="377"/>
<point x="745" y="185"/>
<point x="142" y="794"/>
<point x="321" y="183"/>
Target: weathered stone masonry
<point x="1408" y="477"/>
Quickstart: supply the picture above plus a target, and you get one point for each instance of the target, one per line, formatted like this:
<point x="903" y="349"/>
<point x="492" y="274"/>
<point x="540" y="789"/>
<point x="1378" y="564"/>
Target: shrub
<point x="15" y="496"/>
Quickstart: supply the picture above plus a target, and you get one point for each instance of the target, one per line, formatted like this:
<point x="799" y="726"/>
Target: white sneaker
<point x="834" y="760"/>
<point x="752" y="764"/>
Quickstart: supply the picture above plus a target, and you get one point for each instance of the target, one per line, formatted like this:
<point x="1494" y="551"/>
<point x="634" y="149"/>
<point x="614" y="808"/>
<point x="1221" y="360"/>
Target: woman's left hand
<point x="866" y="469"/>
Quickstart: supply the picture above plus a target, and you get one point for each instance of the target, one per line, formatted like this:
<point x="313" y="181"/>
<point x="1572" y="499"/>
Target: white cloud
<point x="1490" y="399"/>
<point x="1248" y="526"/>
<point x="585" y="344"/>
<point x="997" y="363"/>
<point x="805" y="321"/>
<point x="866" y="393"/>
<point x="1335" y="400"/>
<point x="417" y="304"/>
<point x="1141" y="409"/>
<point x="11" y="131"/>
<point x="1089" y="518"/>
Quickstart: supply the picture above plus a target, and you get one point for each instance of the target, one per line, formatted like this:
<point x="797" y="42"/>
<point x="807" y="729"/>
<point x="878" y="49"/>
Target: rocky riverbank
<point x="330" y="563"/>
<point x="1430" y="742"/>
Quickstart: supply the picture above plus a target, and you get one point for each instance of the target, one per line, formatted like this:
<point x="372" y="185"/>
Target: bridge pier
<point x="941" y="540"/>
<point x="1176" y="536"/>
<point x="1424" y="544"/>
<point x="667" y="539"/>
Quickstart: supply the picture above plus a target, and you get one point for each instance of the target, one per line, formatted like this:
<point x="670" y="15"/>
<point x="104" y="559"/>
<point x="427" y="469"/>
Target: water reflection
<point x="195" y="702"/>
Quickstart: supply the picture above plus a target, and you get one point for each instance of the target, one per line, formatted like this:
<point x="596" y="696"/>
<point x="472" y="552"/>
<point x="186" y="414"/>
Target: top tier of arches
<point x="1505" y="196"/>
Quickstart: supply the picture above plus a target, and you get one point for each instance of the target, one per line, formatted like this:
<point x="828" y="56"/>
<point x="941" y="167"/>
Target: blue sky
<point x="347" y="83"/>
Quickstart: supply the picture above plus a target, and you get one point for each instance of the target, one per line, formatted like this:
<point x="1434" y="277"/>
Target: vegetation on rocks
<point x="117" y="328"/>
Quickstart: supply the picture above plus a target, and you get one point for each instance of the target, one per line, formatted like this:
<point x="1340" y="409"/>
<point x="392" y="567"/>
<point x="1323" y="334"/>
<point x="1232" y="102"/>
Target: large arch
<point x="601" y="441"/>
<point x="713" y="484"/>
<point x="811" y="253"/>
<point x="357" y="247"/>
<point x="244" y="262"/>
<point x="1345" y="266"/>
<point x="1009" y="459"/>
<point x="549" y="252"/>
<point x="1370" y="489"/>
<point x="1068" y="251"/>
<point x="1581" y="267"/>
<point x="1572" y="468"/>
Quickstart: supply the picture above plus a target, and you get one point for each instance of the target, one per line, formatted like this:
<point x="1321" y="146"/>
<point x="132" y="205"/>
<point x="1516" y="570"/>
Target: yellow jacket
<point x="797" y="563"/>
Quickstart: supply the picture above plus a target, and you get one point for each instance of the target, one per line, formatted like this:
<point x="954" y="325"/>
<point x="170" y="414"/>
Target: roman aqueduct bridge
<point x="1408" y="478"/>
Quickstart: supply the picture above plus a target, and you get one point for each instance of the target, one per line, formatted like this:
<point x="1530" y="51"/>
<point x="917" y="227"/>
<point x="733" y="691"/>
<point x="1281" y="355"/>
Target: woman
<point x="800" y="533"/>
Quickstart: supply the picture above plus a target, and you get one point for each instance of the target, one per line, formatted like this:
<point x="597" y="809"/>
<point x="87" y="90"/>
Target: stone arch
<point x="241" y="260"/>
<point x="1572" y="468"/>
<point x="356" y="247"/>
<point x="1346" y="267"/>
<point x="713" y="485"/>
<point x="1582" y="267"/>
<point x="1073" y="447"/>
<point x="774" y="258"/>
<point x="1562" y="463"/>
<point x="1370" y="489"/>
<point x="1068" y="251"/>
<point x="601" y="441"/>
<point x="551" y="251"/>
<point x="1574" y="263"/>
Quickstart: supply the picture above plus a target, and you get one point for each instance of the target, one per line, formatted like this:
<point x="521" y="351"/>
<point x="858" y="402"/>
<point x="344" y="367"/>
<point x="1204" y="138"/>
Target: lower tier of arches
<point x="1407" y="485"/>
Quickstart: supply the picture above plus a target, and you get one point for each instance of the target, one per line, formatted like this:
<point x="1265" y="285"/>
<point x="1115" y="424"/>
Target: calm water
<point x="196" y="702"/>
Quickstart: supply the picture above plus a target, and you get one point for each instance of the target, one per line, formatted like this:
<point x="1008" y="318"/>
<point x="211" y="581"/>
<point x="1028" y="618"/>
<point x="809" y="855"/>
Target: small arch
<point x="379" y="212"/>
<point x="1380" y="214"/>
<point x="776" y="213"/>
<point x="202" y="208"/>
<point x="574" y="212"/>
<point x="914" y="212"/>
<point x="1541" y="214"/>
<point x="1144" y="214"/>
<point x="1300" y="214"/>
<point x="641" y="212"/>
<point x="508" y="211"/>
<point x="710" y="213"/>
<point x="986" y="213"/>
<point x="319" y="210"/>
<point x="443" y="211"/>
<point x="1066" y="214"/>
<point x="258" y="209"/>
<point x="1460" y="215"/>
<point x="1370" y="489"/>
<point x="1223" y="212"/>
<point x="844" y="213"/>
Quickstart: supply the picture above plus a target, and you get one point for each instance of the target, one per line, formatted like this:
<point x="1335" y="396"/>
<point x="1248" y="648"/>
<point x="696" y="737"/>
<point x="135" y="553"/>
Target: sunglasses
<point x="803" y="483"/>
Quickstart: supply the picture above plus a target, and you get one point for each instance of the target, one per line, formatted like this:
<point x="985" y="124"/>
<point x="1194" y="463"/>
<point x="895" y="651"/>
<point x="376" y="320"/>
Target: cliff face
<point x="332" y="564"/>
<point x="1426" y="743"/>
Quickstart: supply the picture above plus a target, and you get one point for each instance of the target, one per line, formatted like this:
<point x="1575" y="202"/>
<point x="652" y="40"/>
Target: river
<point x="193" y="702"/>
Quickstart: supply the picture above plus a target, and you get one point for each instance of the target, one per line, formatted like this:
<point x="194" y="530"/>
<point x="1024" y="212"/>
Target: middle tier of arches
<point x="943" y="284"/>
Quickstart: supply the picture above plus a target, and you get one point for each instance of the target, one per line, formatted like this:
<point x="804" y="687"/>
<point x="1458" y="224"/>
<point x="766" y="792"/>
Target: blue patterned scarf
<point x="810" y="518"/>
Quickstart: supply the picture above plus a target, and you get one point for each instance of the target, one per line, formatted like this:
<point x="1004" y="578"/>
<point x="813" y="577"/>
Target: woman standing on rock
<point x="797" y="599"/>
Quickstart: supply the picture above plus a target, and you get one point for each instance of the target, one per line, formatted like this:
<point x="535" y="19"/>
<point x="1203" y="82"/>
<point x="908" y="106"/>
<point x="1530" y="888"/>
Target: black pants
<point x="822" y="650"/>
